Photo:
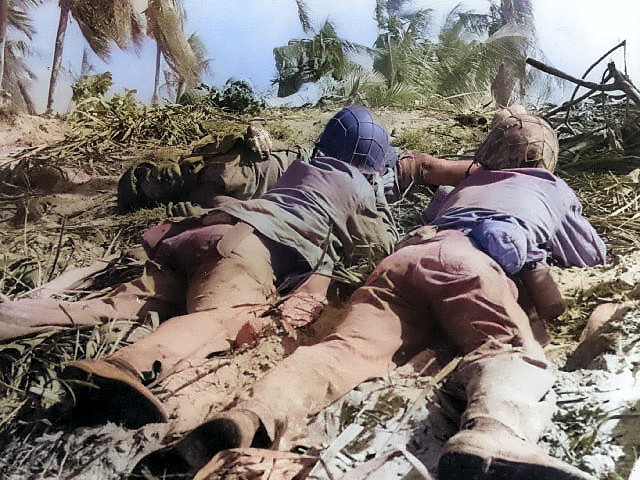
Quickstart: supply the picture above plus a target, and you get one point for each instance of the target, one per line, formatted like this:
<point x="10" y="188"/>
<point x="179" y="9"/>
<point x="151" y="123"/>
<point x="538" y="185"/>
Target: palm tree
<point x="156" y="76"/>
<point x="101" y="23"/>
<point x="401" y="34"/>
<point x="4" y="22"/>
<point x="173" y="83"/>
<point x="309" y="59"/>
<point x="65" y="8"/>
<point x="303" y="15"/>
<point x="461" y="70"/>
<point x="165" y="24"/>
<point x="17" y="76"/>
<point x="202" y="62"/>
<point x="514" y="16"/>
<point x="14" y="75"/>
<point x="13" y="14"/>
<point x="516" y="11"/>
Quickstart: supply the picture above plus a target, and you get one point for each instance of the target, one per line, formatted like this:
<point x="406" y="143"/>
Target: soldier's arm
<point x="417" y="168"/>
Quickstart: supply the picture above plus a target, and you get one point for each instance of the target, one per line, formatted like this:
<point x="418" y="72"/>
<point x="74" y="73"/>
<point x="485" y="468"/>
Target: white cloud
<point x="573" y="34"/>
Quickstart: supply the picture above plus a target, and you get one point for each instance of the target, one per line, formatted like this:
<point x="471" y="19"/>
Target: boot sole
<point x="103" y="393"/>
<point x="192" y="452"/>
<point x="466" y="466"/>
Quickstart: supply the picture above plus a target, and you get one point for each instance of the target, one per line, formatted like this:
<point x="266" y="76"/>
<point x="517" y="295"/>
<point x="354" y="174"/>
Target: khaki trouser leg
<point x="217" y="291"/>
<point x="217" y="284"/>
<point x="470" y="296"/>
<point x="416" y="293"/>
<point x="156" y="290"/>
<point x="370" y="342"/>
<point x="245" y="277"/>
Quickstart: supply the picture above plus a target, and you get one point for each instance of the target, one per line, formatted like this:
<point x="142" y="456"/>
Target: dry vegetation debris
<point x="64" y="216"/>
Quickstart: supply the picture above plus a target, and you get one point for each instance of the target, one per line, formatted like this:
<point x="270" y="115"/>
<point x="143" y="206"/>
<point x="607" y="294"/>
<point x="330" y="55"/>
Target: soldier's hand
<point x="300" y="309"/>
<point x="184" y="209"/>
<point x="258" y="140"/>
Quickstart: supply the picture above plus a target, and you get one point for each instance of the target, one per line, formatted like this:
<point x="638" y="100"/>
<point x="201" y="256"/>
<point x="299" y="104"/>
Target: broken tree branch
<point x="620" y="82"/>
<point x="573" y="99"/>
<point x="557" y="73"/>
<point x="620" y="45"/>
<point x="624" y="84"/>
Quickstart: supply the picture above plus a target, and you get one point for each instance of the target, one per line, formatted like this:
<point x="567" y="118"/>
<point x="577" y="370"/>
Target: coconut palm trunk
<point x="510" y="74"/>
<point x="4" y="21"/>
<point x="65" y="7"/>
<point x="26" y="96"/>
<point x="156" y="80"/>
<point x="518" y="11"/>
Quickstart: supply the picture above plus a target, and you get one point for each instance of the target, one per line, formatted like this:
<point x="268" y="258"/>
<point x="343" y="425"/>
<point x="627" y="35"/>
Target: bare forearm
<point x="423" y="169"/>
<point x="447" y="172"/>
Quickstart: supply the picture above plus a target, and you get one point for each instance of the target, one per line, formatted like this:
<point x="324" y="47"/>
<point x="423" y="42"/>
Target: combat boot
<point x="509" y="403"/>
<point x="125" y="374"/>
<point x="104" y="391"/>
<point x="115" y="389"/>
<point x="235" y="428"/>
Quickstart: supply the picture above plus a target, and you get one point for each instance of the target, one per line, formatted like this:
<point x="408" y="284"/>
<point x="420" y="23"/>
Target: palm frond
<point x="17" y="75"/>
<point x="303" y="15"/>
<point x="401" y="34"/>
<point x="19" y="20"/>
<point x="307" y="60"/>
<point x="103" y="21"/>
<point x="165" y="22"/>
<point x="473" y="22"/>
<point x="398" y="95"/>
<point x="357" y="80"/>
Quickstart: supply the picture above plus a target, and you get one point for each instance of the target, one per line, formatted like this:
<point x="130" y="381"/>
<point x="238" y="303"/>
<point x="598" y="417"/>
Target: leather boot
<point x="509" y="403"/>
<point x="235" y="428"/>
<point x="114" y="389"/>
<point x="104" y="391"/>
<point x="126" y="373"/>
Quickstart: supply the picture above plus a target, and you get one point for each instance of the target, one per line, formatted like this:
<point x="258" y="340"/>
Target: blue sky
<point x="240" y="36"/>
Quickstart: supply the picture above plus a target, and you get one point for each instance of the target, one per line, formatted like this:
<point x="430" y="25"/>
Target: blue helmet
<point x="353" y="137"/>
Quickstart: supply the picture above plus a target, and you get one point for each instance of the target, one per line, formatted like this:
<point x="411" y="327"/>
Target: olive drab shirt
<point x="325" y="209"/>
<point x="231" y="174"/>
<point x="228" y="168"/>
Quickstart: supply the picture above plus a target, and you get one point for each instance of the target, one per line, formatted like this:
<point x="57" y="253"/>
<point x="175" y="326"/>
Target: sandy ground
<point x="29" y="131"/>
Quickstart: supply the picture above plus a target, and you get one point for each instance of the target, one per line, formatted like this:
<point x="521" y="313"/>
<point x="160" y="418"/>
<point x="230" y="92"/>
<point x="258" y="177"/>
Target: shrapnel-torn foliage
<point x="600" y="159"/>
<point x="108" y="132"/>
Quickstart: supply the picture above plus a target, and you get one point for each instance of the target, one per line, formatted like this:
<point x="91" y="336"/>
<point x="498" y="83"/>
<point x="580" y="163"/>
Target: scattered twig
<point x="58" y="249"/>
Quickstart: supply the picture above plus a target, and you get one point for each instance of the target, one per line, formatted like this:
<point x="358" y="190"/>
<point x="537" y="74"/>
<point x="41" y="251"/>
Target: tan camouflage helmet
<point x="519" y="139"/>
<point x="506" y="112"/>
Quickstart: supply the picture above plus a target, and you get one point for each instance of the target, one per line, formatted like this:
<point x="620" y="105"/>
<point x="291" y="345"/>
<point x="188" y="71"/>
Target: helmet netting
<point x="352" y="136"/>
<point x="521" y="140"/>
